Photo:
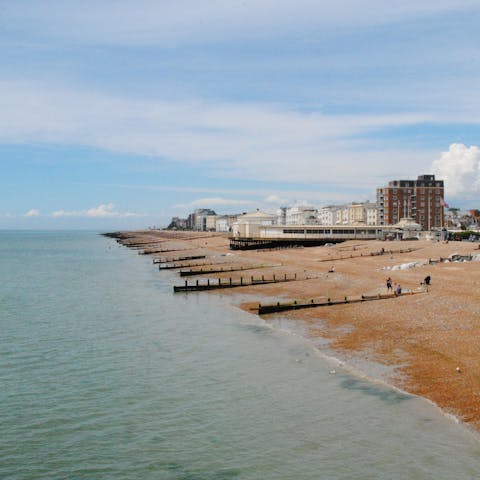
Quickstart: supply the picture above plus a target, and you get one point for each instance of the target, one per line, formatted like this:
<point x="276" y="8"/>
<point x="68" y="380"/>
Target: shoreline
<point x="369" y="372"/>
<point x="427" y="343"/>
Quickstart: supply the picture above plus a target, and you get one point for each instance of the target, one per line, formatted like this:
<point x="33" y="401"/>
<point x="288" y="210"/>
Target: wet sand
<point x="428" y="344"/>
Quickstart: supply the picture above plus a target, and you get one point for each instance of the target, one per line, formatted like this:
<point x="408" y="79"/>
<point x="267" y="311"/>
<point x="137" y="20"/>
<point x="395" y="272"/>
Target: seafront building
<point x="362" y="213"/>
<point x="421" y="199"/>
<point x="301" y="215"/>
<point x="297" y="215"/>
<point x="355" y="213"/>
<point x="403" y="209"/>
<point x="249" y="224"/>
<point x="282" y="216"/>
<point x="328" y="215"/>
<point x="273" y="236"/>
<point x="224" y="223"/>
<point x="198" y="219"/>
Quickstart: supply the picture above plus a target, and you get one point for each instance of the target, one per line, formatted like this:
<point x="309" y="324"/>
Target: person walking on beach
<point x="389" y="284"/>
<point x="398" y="290"/>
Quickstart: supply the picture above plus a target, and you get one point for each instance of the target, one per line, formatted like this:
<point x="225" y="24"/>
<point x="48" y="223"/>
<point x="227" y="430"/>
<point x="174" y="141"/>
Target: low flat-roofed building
<point x="274" y="236"/>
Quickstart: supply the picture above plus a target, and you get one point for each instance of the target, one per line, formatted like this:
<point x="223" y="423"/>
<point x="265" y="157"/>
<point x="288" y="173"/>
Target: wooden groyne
<point x="149" y="251"/>
<point x="140" y="245"/>
<point x="190" y="273"/>
<point x="283" y="307"/>
<point x="179" y="266"/>
<point x="178" y="259"/>
<point x="214" y="284"/>
<point x="371" y="254"/>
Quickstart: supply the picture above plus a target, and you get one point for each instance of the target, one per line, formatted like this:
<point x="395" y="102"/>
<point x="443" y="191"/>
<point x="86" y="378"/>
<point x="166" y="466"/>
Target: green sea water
<point x="106" y="374"/>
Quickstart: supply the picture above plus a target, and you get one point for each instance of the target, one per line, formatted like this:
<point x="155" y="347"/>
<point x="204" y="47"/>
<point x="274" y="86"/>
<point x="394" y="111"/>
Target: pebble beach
<point x="424" y="341"/>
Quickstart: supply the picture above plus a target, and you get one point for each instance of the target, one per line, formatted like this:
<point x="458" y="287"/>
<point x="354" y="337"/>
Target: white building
<point x="224" y="223"/>
<point x="328" y="215"/>
<point x="210" y="223"/>
<point x="362" y="213"/>
<point x="301" y="215"/>
<point x="372" y="214"/>
<point x="248" y="224"/>
<point x="282" y="216"/>
<point x="352" y="214"/>
<point x="341" y="216"/>
<point x="199" y="217"/>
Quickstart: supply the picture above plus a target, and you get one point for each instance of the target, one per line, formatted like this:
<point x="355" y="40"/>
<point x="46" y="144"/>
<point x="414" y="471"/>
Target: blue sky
<point x="117" y="114"/>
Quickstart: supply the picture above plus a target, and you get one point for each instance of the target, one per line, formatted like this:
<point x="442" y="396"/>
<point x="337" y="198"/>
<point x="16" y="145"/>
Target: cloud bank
<point x="102" y="211"/>
<point x="459" y="167"/>
<point x="252" y="141"/>
<point x="32" y="213"/>
<point x="215" y="202"/>
<point x="275" y="199"/>
<point x="150" y="22"/>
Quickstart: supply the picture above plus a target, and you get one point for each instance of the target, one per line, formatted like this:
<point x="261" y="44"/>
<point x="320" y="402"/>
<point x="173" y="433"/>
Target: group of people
<point x="398" y="287"/>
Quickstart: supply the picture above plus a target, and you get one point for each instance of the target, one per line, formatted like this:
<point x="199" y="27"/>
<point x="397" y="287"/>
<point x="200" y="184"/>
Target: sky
<point x="121" y="114"/>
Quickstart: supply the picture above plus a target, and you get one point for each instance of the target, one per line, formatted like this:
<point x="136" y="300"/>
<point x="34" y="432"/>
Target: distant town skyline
<point x="122" y="115"/>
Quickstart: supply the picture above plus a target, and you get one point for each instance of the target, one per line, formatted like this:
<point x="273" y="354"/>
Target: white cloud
<point x="197" y="21"/>
<point x="32" y="213"/>
<point x="254" y="141"/>
<point x="459" y="167"/>
<point x="214" y="202"/>
<point x="102" y="211"/>
<point x="276" y="200"/>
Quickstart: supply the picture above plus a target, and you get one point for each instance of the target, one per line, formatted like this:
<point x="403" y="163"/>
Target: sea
<point x="105" y="373"/>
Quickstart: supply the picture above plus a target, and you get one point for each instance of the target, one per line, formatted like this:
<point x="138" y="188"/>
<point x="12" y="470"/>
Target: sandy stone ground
<point x="429" y="342"/>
